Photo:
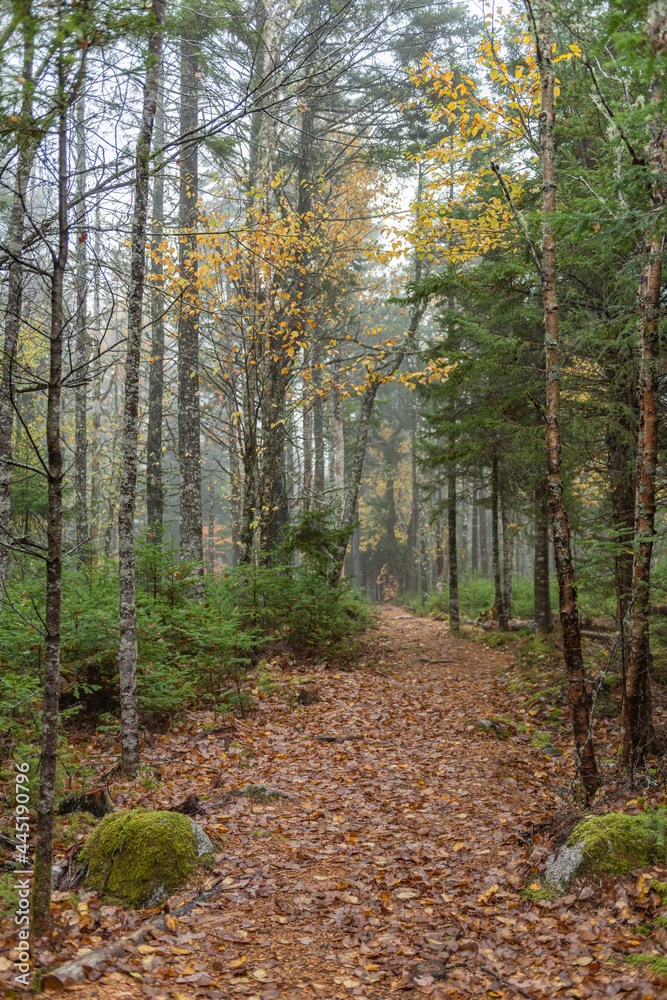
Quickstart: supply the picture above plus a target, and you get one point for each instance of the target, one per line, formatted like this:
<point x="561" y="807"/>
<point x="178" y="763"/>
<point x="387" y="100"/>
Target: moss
<point x="539" y="891"/>
<point x="616" y="843"/>
<point x="656" y="963"/>
<point x="69" y="828"/>
<point x="138" y="857"/>
<point x="661" y="889"/>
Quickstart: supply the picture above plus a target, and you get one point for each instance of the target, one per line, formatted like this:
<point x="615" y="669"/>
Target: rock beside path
<point x="137" y="857"/>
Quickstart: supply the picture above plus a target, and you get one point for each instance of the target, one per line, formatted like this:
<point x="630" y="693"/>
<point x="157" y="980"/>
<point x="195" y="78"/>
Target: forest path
<point x="400" y="843"/>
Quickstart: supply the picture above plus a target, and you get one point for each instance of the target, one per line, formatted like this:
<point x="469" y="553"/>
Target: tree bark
<point x="41" y="891"/>
<point x="127" y="651"/>
<point x="211" y="527"/>
<point x="483" y="544"/>
<point x="541" y="594"/>
<point x="189" y="447"/>
<point x="474" y="548"/>
<point x="81" y="347"/>
<point x="154" y="484"/>
<point x="637" y="707"/>
<point x="96" y="404"/>
<point x="339" y="448"/>
<point x="507" y="560"/>
<point x="495" y="546"/>
<point x="453" y="550"/>
<point x="15" y="229"/>
<point x="567" y="594"/>
<point x="235" y="493"/>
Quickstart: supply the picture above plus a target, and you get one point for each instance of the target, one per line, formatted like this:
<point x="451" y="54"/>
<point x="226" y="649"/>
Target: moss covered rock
<point x="138" y="857"/>
<point x="615" y="843"/>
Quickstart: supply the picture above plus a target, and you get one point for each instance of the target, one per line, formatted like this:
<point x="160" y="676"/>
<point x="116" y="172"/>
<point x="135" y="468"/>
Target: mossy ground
<point x="69" y="828"/>
<point x="615" y="843"/>
<point x="132" y="853"/>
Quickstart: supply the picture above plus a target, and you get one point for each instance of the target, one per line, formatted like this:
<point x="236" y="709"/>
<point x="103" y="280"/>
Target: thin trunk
<point x="318" y="428"/>
<point x="507" y="559"/>
<point x="189" y="447"/>
<point x="541" y="594"/>
<point x="127" y="651"/>
<point x="483" y="544"/>
<point x="41" y="892"/>
<point x="495" y="546"/>
<point x="81" y="347"/>
<point x="423" y="558"/>
<point x="439" y="556"/>
<point x="637" y="703"/>
<point x="339" y="449"/>
<point x="413" y="532"/>
<point x="15" y="229"/>
<point x="474" y="549"/>
<point x="235" y="494"/>
<point x="567" y="594"/>
<point x="637" y="708"/>
<point x="211" y="528"/>
<point x="95" y="435"/>
<point x="453" y="551"/>
<point x="154" y="484"/>
<point x="464" y="535"/>
<point x="307" y="456"/>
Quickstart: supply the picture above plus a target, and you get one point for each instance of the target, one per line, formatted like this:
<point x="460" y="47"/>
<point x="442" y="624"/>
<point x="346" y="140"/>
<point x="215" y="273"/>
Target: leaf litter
<point x="396" y="860"/>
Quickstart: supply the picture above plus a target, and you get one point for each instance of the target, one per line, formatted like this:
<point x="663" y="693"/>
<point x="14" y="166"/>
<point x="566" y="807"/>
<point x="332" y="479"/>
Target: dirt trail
<point x="400" y="844"/>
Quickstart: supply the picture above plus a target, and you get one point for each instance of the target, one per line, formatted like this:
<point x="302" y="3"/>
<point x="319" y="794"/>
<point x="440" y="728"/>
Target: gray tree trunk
<point x="495" y="543"/>
<point x="453" y="550"/>
<point x="154" y="484"/>
<point x="541" y="595"/>
<point x="189" y="447"/>
<point x="507" y="559"/>
<point x="81" y="347"/>
<point x="15" y="230"/>
<point x="127" y="651"/>
<point x="41" y="890"/>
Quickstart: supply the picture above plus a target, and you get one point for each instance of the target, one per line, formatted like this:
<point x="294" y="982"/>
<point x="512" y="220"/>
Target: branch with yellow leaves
<point x="518" y="218"/>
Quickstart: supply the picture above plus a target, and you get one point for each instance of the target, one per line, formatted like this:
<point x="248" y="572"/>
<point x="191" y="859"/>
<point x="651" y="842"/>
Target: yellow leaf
<point x="236" y="963"/>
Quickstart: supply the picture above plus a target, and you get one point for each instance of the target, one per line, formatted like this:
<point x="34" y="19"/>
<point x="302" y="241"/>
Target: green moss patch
<point x="138" y="857"/>
<point x="616" y="843"/>
<point x="68" y="829"/>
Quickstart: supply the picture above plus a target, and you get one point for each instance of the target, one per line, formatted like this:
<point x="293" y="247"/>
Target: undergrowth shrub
<point x="189" y="653"/>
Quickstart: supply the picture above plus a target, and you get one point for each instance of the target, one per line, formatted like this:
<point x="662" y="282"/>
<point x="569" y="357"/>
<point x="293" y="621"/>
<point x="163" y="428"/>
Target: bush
<point x="188" y="653"/>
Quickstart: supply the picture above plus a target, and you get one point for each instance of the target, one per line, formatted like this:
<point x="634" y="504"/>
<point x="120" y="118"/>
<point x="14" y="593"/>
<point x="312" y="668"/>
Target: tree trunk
<point x="339" y="448"/>
<point x="154" y="484"/>
<point x="413" y="531"/>
<point x="189" y="448"/>
<point x="495" y="546"/>
<point x="96" y="403"/>
<point x="507" y="560"/>
<point x="483" y="544"/>
<point x="567" y="594"/>
<point x="211" y="527"/>
<point x="41" y="892"/>
<point x="307" y="455"/>
<point x="235" y="494"/>
<point x="127" y="651"/>
<point x="541" y="594"/>
<point x="453" y="550"/>
<point x="318" y="429"/>
<point x="637" y="703"/>
<point x="15" y="229"/>
<point x="474" y="549"/>
<point x="81" y="347"/>
<point x="423" y="558"/>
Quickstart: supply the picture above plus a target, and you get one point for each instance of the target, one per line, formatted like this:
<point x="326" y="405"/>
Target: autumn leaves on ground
<point x="400" y="858"/>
